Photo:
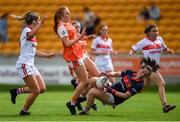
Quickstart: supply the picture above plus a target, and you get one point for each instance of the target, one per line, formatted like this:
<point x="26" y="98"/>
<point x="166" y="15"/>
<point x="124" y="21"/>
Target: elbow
<point x="29" y="37"/>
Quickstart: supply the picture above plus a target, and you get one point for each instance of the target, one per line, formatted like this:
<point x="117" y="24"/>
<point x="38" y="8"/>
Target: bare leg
<point x="159" y="81"/>
<point x="147" y="82"/>
<point x="32" y="84"/>
<point x="91" y="67"/>
<point x="92" y="83"/>
<point x="41" y="83"/>
<point x="83" y="82"/>
<point x="92" y="94"/>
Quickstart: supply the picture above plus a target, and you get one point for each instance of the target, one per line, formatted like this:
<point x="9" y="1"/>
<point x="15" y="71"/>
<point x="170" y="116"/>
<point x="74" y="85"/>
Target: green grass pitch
<point x="50" y="106"/>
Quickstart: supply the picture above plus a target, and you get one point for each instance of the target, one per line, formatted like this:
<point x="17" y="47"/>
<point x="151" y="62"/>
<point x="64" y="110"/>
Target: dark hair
<point x="30" y="16"/>
<point x="150" y="64"/>
<point x="148" y="28"/>
<point x="59" y="13"/>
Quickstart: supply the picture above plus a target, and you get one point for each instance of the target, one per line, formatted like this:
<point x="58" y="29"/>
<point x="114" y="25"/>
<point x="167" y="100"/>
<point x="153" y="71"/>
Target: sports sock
<point x="25" y="109"/>
<point x="20" y="91"/>
<point x="86" y="109"/>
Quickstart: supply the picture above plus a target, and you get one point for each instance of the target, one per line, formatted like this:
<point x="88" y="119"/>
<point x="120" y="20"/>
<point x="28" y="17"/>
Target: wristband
<point x="113" y="91"/>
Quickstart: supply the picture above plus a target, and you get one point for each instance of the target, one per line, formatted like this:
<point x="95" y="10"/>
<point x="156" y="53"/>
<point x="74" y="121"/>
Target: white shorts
<point x="85" y="56"/>
<point x="105" y="67"/>
<point x="111" y="98"/>
<point x="73" y="65"/>
<point x="26" y="70"/>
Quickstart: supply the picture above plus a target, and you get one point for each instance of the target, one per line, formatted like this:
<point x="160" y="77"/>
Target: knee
<point x="42" y="90"/>
<point x="162" y="84"/>
<point x="85" y="82"/>
<point x="92" y="81"/>
<point x="36" y="91"/>
<point x="90" y="93"/>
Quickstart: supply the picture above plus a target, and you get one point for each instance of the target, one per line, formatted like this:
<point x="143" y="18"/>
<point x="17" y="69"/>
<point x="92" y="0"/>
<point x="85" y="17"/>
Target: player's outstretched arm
<point x="119" y="94"/>
<point x="131" y="52"/>
<point x="169" y="51"/>
<point x="115" y="74"/>
<point x="45" y="55"/>
<point x="36" y="28"/>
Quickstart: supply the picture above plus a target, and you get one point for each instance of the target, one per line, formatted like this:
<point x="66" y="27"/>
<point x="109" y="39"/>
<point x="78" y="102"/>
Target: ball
<point x="102" y="81"/>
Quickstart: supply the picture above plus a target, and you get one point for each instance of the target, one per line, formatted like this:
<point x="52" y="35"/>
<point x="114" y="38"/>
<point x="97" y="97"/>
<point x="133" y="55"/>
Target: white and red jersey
<point x="102" y="45"/>
<point x="151" y="48"/>
<point x="27" y="48"/>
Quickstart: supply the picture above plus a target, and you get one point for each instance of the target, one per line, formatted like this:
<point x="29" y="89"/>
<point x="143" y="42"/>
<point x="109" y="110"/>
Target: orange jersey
<point x="75" y="51"/>
<point x="83" y="44"/>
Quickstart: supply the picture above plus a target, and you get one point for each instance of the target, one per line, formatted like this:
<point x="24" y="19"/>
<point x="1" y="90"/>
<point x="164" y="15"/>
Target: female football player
<point x="131" y="83"/>
<point x="73" y="53"/>
<point x="25" y="64"/>
<point x="152" y="46"/>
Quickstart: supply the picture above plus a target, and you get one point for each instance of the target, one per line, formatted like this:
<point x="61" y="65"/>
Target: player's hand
<point x="43" y="19"/>
<point x="131" y="52"/>
<point x="171" y="52"/>
<point x="114" y="52"/>
<point x="105" y="53"/>
<point x="110" y="90"/>
<point x="16" y="17"/>
<point x="83" y="33"/>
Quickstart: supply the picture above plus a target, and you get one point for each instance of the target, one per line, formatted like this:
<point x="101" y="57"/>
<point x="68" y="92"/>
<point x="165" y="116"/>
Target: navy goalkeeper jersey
<point x="130" y="83"/>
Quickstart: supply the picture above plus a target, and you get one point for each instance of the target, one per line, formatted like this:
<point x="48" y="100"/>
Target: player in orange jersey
<point x="73" y="53"/>
<point x="87" y="60"/>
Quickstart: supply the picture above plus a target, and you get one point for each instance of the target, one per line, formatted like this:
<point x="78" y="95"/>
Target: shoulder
<point x="97" y="39"/>
<point x="143" y="41"/>
<point x="62" y="31"/>
<point x="61" y="27"/>
<point x="160" y="38"/>
<point x="26" y="29"/>
<point x="109" y="39"/>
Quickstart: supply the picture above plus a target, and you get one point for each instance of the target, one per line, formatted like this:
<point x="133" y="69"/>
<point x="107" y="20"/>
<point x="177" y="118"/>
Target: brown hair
<point x="100" y="27"/>
<point x="148" y="28"/>
<point x="59" y="13"/>
<point x="28" y="18"/>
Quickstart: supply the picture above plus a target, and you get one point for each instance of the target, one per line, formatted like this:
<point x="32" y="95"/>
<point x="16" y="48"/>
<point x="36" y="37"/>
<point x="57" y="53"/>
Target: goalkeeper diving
<point x="114" y="94"/>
